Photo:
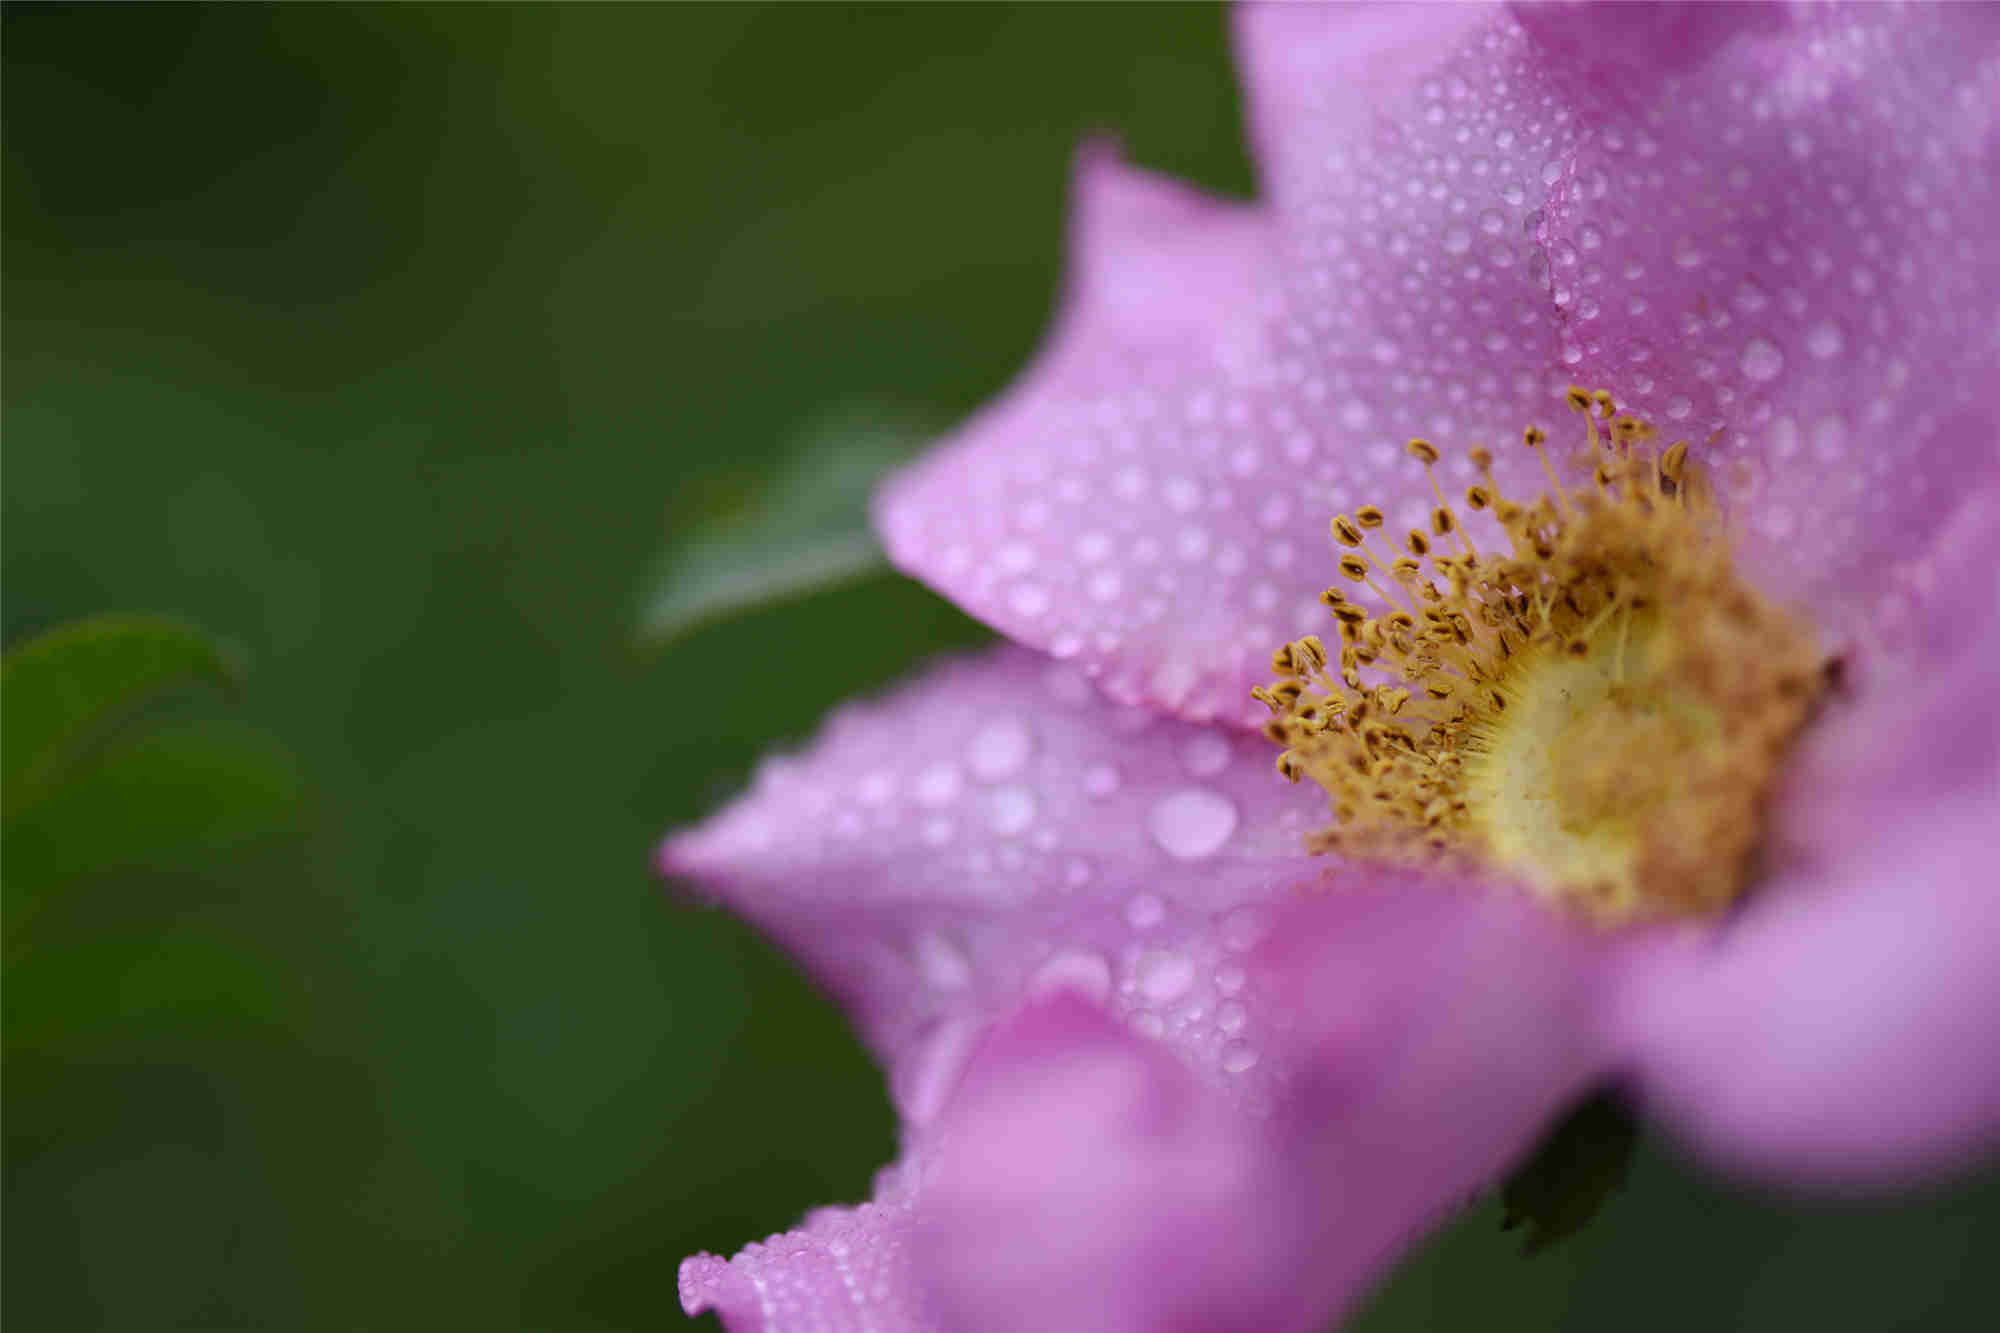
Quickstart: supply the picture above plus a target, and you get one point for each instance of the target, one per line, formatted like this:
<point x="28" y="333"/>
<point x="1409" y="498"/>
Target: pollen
<point x="1597" y="706"/>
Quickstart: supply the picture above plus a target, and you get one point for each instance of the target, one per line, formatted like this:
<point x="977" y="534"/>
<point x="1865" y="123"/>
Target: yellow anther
<point x="1346" y="531"/>
<point x="1577" y="398"/>
<point x="1354" y="567"/>
<point x="1423" y="451"/>
<point x="1368" y="516"/>
<point x="1478" y="496"/>
<point x="1481" y="456"/>
<point x="1443" y="521"/>
<point x="1419" y="544"/>
<point x="1534" y="437"/>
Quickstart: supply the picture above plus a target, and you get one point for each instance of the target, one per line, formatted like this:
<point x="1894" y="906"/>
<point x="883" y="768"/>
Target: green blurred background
<point x="392" y="344"/>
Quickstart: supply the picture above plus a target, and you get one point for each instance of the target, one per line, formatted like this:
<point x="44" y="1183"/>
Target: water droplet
<point x="1457" y="241"/>
<point x="938" y="785"/>
<point x="1000" y="748"/>
<point x="1145" y="911"/>
<point x="942" y="963"/>
<point x="1163" y="975"/>
<point x="1148" y="1025"/>
<point x="1074" y="970"/>
<point x="1100" y="780"/>
<point x="1010" y="810"/>
<point x="1230" y="978"/>
<point x="1205" y="754"/>
<point x="936" y="832"/>
<point x="1238" y="1056"/>
<point x="1230" y="1017"/>
<point x="1825" y="340"/>
<point x="1242" y="928"/>
<point x="1761" y="360"/>
<point x="1077" y="873"/>
<point x="1028" y="600"/>
<point x="1193" y="823"/>
<point x="1015" y="558"/>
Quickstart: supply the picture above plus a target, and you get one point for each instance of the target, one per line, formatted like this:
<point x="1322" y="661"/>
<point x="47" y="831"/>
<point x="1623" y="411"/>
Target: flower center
<point x="1600" y="712"/>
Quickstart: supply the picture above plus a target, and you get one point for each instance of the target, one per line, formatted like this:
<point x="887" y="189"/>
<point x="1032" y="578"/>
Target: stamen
<point x="1593" y="712"/>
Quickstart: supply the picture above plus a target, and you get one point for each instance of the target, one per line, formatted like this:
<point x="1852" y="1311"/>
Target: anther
<point x="1423" y="451"/>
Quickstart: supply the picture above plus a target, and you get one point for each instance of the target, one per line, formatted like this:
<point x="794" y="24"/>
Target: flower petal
<point x="1840" y="1029"/>
<point x="845" y="1270"/>
<point x="1775" y="236"/>
<point x="1086" y="1179"/>
<point x="997" y="829"/>
<point x="1107" y="508"/>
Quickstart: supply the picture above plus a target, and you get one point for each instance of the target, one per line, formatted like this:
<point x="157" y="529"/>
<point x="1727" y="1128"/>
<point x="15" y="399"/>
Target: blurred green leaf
<point x="64" y="691"/>
<point x="192" y="981"/>
<point x="1579" y="1165"/>
<point x="807" y="531"/>
<point x="172" y="796"/>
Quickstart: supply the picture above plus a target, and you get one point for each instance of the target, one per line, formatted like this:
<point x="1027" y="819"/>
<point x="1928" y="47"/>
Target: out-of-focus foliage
<point x="393" y="342"/>
<point x="805" y="531"/>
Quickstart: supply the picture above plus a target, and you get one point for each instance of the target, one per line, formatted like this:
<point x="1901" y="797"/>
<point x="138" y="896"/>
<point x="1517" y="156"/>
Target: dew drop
<point x="1825" y="340"/>
<point x="1230" y="1017"/>
<point x="1074" y="970"/>
<point x="1100" y="780"/>
<point x="1000" y="748"/>
<point x="1457" y="241"/>
<point x="1011" y="810"/>
<point x="942" y="963"/>
<point x="1761" y="360"/>
<point x="938" y="785"/>
<point x="1163" y="975"/>
<point x="1193" y="823"/>
<point x="1145" y="911"/>
<point x="1028" y="600"/>
<point x="1238" y="1056"/>
<point x="1230" y="978"/>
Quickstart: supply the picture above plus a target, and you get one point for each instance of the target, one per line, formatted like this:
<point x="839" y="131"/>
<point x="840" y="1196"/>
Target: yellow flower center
<point x="1599" y="713"/>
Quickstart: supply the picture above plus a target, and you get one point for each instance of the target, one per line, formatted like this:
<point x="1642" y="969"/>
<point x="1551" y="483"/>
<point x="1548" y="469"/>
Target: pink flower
<point x="1160" y="1066"/>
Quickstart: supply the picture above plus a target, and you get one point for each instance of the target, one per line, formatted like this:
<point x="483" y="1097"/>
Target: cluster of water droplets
<point x="1001" y="830"/>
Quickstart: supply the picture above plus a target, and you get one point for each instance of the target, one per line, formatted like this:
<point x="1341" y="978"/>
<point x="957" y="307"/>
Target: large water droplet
<point x="942" y="963"/>
<point x="1010" y="810"/>
<point x="1825" y="340"/>
<point x="1192" y="823"/>
<point x="1163" y="975"/>
<point x="1100" y="780"/>
<point x="1087" y="974"/>
<point x="937" y="785"/>
<point x="1761" y="360"/>
<point x="1145" y="911"/>
<point x="1000" y="748"/>
<point x="1238" y="1056"/>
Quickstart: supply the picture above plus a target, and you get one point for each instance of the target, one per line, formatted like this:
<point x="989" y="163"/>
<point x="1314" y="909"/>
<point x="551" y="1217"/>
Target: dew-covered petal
<point x="1085" y="1179"/>
<point x="996" y="829"/>
<point x="844" y="1270"/>
<point x="1840" y="1028"/>
<point x="1774" y="235"/>
<point x="1116" y="506"/>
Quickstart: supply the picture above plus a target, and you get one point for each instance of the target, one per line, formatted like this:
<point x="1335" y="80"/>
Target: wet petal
<point x="845" y="1270"/>
<point x="1775" y="236"/>
<point x="1087" y="1179"/>
<point x="997" y="829"/>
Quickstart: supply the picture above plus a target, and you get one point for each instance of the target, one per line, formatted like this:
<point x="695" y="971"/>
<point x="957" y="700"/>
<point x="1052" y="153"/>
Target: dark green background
<point x="391" y="344"/>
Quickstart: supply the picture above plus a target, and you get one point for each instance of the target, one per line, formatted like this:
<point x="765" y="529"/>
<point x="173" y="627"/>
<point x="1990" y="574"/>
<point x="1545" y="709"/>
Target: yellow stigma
<point x="1599" y="713"/>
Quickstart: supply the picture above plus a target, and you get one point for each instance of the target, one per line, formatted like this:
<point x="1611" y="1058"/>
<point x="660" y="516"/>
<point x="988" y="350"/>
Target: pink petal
<point x="1841" y="1028"/>
<point x="1775" y="235"/>
<point x="846" y="1270"/>
<point x="1086" y="1180"/>
<point x="1469" y="213"/>
<point x="997" y="829"/>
